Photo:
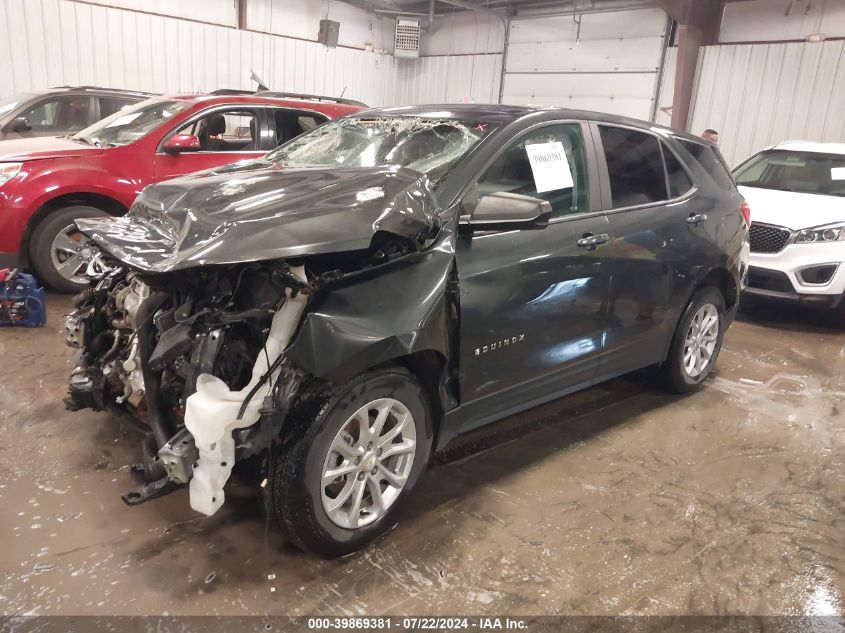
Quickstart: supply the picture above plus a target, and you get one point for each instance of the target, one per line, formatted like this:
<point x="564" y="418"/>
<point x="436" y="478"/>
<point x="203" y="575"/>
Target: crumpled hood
<point x="793" y="210"/>
<point x="22" y="149"/>
<point x="257" y="211"/>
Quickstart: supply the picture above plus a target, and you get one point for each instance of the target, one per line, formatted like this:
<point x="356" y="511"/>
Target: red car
<point x="46" y="183"/>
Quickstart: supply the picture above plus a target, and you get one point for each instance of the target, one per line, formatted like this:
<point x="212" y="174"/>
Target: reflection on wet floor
<point x="617" y="500"/>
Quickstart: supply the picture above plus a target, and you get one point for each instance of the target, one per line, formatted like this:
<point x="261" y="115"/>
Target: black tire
<point x="41" y="243"/>
<point x="673" y="373"/>
<point x="293" y="495"/>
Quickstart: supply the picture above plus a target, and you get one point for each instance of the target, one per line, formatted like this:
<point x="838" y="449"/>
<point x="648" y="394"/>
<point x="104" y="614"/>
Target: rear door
<point x="533" y="299"/>
<point x="226" y="135"/>
<point x="660" y="230"/>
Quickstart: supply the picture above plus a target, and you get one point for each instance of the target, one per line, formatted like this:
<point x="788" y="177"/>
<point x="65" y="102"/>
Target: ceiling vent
<point x="407" y="40"/>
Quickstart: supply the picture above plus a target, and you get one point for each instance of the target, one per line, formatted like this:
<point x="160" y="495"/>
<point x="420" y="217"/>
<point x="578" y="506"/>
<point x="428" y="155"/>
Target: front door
<point x="533" y="300"/>
<point x="225" y="136"/>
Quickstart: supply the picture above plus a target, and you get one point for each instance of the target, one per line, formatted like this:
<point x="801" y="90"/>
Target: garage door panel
<point x="594" y="26"/>
<point x="622" y="24"/>
<point x="637" y="108"/>
<point x="611" y="85"/>
<point x="608" y="62"/>
<point x="631" y="54"/>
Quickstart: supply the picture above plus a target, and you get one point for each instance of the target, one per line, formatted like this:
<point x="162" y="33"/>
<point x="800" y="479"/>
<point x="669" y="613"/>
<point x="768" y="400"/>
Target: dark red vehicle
<point x="46" y="183"/>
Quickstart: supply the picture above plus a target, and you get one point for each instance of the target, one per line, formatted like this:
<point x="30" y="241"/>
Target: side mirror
<point x="509" y="208"/>
<point x="19" y="124"/>
<point x="179" y="143"/>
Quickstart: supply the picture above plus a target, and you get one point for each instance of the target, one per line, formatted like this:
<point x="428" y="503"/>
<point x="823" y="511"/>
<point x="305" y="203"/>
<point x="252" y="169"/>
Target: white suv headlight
<point x="8" y="171"/>
<point x="821" y="234"/>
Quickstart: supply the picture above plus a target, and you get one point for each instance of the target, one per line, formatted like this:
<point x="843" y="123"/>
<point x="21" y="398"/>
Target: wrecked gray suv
<point x="334" y="312"/>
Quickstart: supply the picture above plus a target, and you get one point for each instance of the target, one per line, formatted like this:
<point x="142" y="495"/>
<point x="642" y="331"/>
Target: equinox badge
<point x="499" y="344"/>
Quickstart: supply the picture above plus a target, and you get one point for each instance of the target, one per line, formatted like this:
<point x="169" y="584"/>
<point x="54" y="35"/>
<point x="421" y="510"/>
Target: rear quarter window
<point x="712" y="162"/>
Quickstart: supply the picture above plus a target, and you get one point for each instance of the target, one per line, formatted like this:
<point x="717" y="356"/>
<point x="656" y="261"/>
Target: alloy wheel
<point x="368" y="463"/>
<point x="701" y="339"/>
<point x="71" y="253"/>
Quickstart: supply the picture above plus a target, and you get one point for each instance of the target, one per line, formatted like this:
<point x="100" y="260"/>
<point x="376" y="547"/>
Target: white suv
<point x="797" y="195"/>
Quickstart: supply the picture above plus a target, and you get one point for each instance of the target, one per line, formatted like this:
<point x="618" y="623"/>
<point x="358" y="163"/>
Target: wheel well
<point x="429" y="368"/>
<point x="723" y="281"/>
<point x="104" y="203"/>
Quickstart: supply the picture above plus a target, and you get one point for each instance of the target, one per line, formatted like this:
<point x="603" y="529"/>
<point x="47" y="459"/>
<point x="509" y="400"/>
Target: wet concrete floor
<point x="618" y="500"/>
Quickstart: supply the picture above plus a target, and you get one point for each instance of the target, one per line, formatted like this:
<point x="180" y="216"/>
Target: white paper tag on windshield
<point x="549" y="166"/>
<point x="837" y="173"/>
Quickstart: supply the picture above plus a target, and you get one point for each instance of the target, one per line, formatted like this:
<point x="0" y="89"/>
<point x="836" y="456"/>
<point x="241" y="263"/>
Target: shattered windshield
<point x="428" y="145"/>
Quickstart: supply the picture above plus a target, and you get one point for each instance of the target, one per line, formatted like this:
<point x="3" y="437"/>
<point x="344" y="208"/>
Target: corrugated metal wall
<point x="59" y="42"/>
<point x="759" y="94"/>
<point x="596" y="61"/>
<point x="450" y="79"/>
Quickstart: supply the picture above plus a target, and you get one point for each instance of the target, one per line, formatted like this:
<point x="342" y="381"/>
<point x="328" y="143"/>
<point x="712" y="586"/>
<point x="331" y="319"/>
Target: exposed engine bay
<point x="225" y="300"/>
<point x="196" y="359"/>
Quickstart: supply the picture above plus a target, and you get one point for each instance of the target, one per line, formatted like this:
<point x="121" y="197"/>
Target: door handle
<point x="591" y="241"/>
<point x="696" y="218"/>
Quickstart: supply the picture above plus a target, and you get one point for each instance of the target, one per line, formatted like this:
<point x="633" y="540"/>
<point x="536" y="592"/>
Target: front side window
<point x="10" y="103"/>
<point x="225" y="131"/>
<point x="802" y="172"/>
<point x="130" y="124"/>
<point x="549" y="164"/>
<point x="428" y="145"/>
<point x="60" y="114"/>
<point x="634" y="165"/>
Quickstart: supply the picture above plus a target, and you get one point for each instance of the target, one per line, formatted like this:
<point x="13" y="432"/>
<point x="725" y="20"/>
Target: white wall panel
<point x="59" y="42"/>
<point x="770" y="20"/>
<point x="462" y="33"/>
<point x="301" y="18"/>
<point x="449" y="79"/>
<point x="759" y="94"/>
<point x="593" y="61"/>
<point x="62" y="42"/>
<point x="214" y="11"/>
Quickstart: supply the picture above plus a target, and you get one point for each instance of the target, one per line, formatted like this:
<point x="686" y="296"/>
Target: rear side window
<point x="634" y="165"/>
<point x="110" y="105"/>
<point x="712" y="162"/>
<point x="679" y="181"/>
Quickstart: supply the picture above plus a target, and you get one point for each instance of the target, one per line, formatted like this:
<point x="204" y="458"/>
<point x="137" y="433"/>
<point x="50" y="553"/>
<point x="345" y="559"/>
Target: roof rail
<point x="231" y="91"/>
<point x="297" y="95"/>
<point x="123" y="90"/>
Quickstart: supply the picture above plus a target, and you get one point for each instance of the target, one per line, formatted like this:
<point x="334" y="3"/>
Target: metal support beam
<point x="241" y="13"/>
<point x="689" y="44"/>
<point x="698" y="25"/>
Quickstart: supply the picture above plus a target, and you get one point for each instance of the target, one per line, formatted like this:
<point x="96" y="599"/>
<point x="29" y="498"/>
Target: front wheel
<point x="696" y="342"/>
<point x="357" y="451"/>
<point x="59" y="252"/>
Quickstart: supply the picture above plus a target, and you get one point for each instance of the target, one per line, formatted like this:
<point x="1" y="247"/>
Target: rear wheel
<point x="358" y="451"/>
<point x="696" y="342"/>
<point x="59" y="252"/>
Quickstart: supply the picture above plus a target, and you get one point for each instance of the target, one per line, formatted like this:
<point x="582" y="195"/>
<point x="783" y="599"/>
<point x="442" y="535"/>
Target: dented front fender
<point x="378" y="314"/>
